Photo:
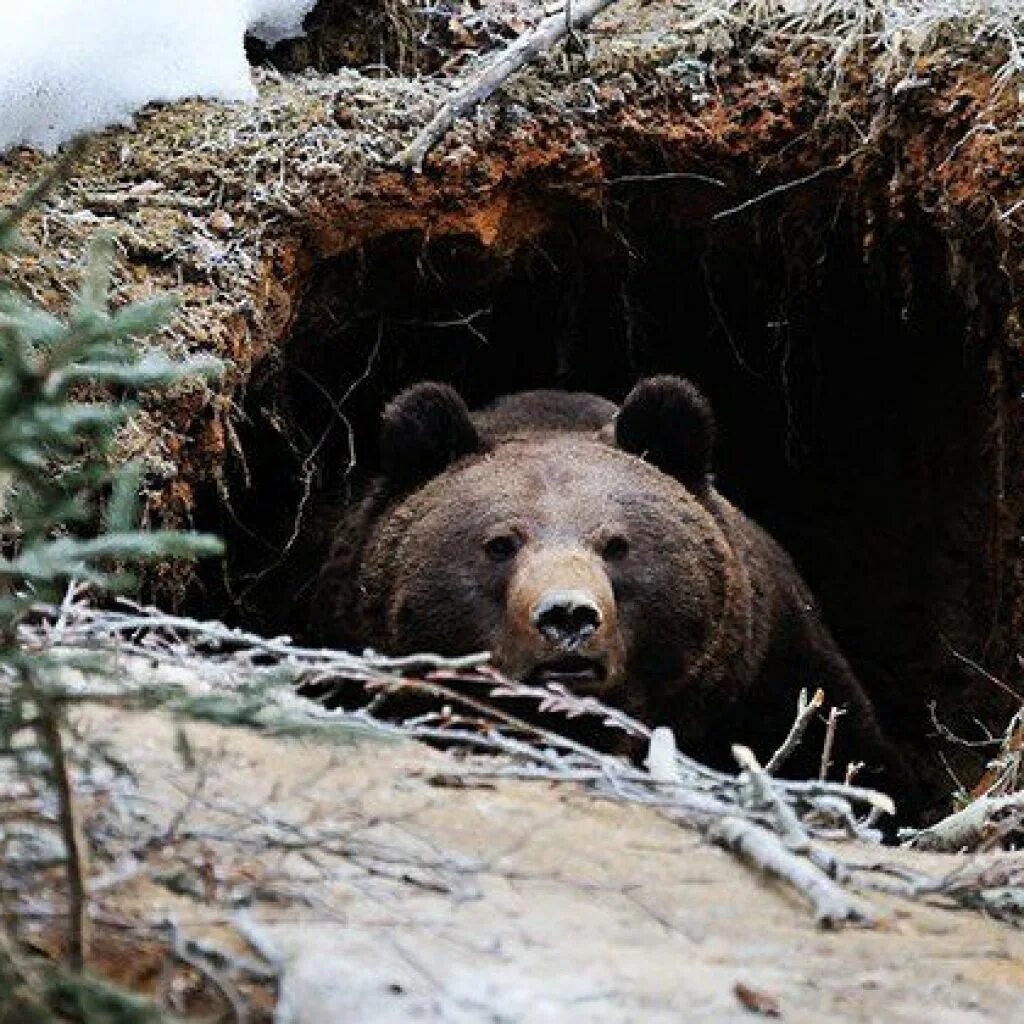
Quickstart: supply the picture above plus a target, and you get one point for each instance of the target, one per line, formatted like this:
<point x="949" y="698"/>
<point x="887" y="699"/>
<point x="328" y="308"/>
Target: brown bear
<point x="586" y="544"/>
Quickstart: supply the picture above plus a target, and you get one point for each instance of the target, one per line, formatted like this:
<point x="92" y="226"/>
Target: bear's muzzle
<point x="561" y="623"/>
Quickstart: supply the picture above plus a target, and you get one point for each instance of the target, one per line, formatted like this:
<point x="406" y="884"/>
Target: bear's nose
<point x="566" y="618"/>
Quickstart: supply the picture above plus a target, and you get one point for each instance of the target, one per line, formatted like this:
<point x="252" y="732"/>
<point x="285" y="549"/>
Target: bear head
<point x="588" y="557"/>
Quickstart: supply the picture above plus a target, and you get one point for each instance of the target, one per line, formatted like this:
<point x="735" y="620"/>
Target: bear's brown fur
<point x="586" y="544"/>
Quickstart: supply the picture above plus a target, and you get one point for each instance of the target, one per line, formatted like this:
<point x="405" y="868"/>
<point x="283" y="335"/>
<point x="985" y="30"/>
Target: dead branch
<point x="766" y="852"/>
<point x="661" y="756"/>
<point x="763" y="793"/>
<point x="805" y="711"/>
<point x="969" y="828"/>
<point x="1005" y="772"/>
<point x="830" y="739"/>
<point x="489" y="78"/>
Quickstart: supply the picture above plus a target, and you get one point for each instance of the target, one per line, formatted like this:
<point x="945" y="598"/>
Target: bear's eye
<point x="503" y="547"/>
<point x="615" y="548"/>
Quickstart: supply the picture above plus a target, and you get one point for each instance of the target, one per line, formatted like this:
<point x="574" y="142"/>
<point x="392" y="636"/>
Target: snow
<point x="68" y="66"/>
<point x="274" y="20"/>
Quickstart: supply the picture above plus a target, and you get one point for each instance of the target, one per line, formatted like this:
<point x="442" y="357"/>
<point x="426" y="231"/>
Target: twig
<point x="830" y="739"/>
<point x="642" y="179"/>
<point x="118" y="202"/>
<point x="984" y="673"/>
<point x="97" y="625"/>
<point x="525" y="49"/>
<point x="805" y="710"/>
<point x="48" y="729"/>
<point x="1005" y="772"/>
<point x="1011" y="210"/>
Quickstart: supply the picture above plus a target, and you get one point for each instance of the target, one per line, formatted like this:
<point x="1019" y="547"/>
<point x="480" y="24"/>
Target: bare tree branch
<point x="805" y="711"/>
<point x="489" y="78"/>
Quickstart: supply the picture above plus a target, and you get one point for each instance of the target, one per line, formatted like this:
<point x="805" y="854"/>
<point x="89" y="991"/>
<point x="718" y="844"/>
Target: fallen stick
<point x="525" y="49"/>
<point x="762" y="791"/>
<point x="767" y="852"/>
<point x="967" y="829"/>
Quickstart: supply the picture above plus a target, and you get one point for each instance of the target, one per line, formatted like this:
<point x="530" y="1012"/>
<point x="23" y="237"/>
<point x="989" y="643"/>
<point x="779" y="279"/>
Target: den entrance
<point x="853" y="385"/>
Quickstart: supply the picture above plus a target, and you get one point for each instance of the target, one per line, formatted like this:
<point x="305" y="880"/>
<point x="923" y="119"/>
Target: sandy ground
<point x="387" y="896"/>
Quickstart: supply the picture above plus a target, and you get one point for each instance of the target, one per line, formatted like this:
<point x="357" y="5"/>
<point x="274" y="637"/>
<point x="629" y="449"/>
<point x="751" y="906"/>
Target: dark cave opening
<point x="852" y="386"/>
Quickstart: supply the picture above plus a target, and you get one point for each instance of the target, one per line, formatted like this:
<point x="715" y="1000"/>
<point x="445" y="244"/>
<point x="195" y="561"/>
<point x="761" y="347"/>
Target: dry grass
<point x="894" y="31"/>
<point x="901" y="30"/>
<point x="908" y="29"/>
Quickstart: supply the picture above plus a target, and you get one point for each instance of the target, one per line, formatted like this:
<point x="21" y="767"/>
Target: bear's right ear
<point x="668" y="422"/>
<point x="425" y="429"/>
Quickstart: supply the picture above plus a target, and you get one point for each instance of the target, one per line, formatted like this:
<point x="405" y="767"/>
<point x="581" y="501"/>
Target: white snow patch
<point x="68" y="66"/>
<point x="274" y="20"/>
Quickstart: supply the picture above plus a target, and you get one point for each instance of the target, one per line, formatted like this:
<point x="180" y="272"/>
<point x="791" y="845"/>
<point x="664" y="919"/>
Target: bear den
<point x="585" y="544"/>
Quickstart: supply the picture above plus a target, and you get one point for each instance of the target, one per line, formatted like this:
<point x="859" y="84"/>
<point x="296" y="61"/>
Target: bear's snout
<point x="561" y="622"/>
<point x="566" y="618"/>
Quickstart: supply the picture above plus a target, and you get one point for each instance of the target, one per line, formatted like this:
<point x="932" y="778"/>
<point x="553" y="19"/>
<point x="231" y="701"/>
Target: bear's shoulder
<point x="543" y="412"/>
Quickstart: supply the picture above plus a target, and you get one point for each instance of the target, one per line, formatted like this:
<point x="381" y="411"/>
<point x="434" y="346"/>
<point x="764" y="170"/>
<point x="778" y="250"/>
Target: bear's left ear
<point x="425" y="429"/>
<point x="668" y="422"/>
